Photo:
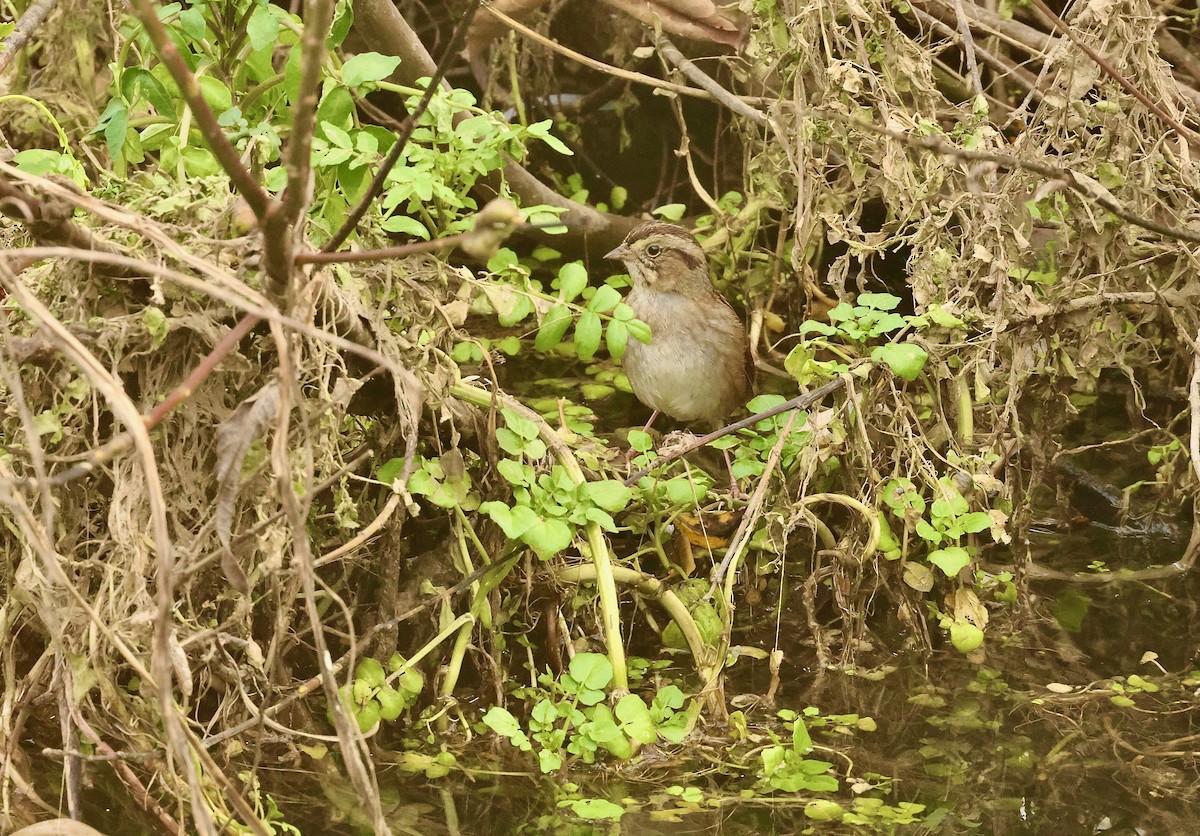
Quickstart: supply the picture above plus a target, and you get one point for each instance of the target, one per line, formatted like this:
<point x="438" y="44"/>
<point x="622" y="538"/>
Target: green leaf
<point x="336" y="108"/>
<point x="156" y="325"/>
<point x="555" y="324"/>
<point x="370" y="671"/>
<point x="405" y="225"/>
<point x="572" y="279"/>
<point x="965" y="636"/>
<point x="939" y="316"/>
<point x="389" y="471"/>
<point x="904" y="359"/>
<point x="547" y="537"/>
<point x="135" y="81"/>
<point x="604" y="299"/>
<point x="509" y="441"/>
<point x="597" y="808"/>
<point x="1070" y="610"/>
<point x="116" y="122"/>
<point x="639" y="330"/>
<point x="616" y="337"/>
<point x="391" y="703"/>
<point x="975" y="522"/>
<point x="671" y="212"/>
<point x="950" y="560"/>
<point x="623" y="312"/>
<point x="635" y="718"/>
<point x="519" y="424"/>
<point x="684" y="491"/>
<point x="343" y="18"/>
<point x="591" y="670"/>
<point x="514" y="522"/>
<point x="610" y="494"/>
<point x="503" y="723"/>
<point x="588" y="331"/>
<point x="367" y="716"/>
<point x="824" y="810"/>
<point x="261" y="29"/>
<point x="878" y="301"/>
<point x="515" y="473"/>
<point x="191" y="21"/>
<point x="542" y="131"/>
<point x="337" y="136"/>
<point x="801" y="740"/>
<point x="640" y="441"/>
<point x="215" y="93"/>
<point x="368" y="66"/>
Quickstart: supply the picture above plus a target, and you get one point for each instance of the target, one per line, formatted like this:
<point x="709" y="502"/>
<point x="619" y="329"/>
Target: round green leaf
<point x="616" y="337"/>
<point x="904" y="359"/>
<point x="950" y="560"/>
<point x="587" y="335"/>
<point x="965" y="636"/>
<point x="572" y="279"/>
<point x="554" y="326"/>
<point x="368" y="66"/>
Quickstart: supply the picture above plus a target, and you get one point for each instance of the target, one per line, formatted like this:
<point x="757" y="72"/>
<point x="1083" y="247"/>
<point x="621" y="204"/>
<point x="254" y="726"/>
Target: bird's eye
<point x="654" y="250"/>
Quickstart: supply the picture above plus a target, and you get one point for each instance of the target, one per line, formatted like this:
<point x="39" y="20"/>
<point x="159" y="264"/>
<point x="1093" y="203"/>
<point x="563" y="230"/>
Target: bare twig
<point x="799" y="402"/>
<point x="706" y="83"/>
<point x="126" y="413"/>
<point x="350" y="741"/>
<point x="30" y="20"/>
<point x="968" y="43"/>
<point x="1104" y="64"/>
<point x="49" y="224"/>
<point x="318" y="15"/>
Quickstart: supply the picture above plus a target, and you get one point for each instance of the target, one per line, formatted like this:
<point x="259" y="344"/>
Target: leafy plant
<point x="850" y="331"/>
<point x="571" y="716"/>
<point x="376" y="695"/>
<point x="547" y="507"/>
<point x="233" y="49"/>
<point x="787" y="768"/>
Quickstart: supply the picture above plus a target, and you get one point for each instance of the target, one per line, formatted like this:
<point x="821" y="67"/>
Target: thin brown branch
<point x="709" y="85"/>
<point x="50" y="221"/>
<point x="23" y="31"/>
<point x="799" y="402"/>
<point x="318" y="16"/>
<point x="350" y="740"/>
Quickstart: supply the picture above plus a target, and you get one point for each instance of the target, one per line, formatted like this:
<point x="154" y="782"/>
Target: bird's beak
<point x="619" y="254"/>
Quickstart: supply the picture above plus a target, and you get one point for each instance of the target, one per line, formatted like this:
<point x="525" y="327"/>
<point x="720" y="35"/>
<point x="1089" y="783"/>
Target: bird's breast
<point x="693" y="367"/>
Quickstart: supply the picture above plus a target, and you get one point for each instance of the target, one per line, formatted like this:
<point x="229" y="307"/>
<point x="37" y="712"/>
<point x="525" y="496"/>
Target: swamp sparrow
<point x="697" y="365"/>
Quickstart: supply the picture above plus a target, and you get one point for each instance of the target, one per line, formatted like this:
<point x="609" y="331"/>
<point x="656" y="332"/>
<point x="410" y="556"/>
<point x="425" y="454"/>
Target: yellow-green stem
<point x="610" y="615"/>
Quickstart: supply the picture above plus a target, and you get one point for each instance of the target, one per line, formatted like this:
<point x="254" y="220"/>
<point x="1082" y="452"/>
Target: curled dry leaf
<point x="234" y="437"/>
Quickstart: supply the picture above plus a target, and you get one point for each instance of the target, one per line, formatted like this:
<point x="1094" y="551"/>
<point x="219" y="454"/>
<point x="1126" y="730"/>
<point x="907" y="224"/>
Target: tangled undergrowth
<point x="400" y="482"/>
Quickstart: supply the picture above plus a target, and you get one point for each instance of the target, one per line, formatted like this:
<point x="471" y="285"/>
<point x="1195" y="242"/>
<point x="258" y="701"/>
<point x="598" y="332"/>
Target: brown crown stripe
<point x="659" y="228"/>
<point x="684" y="245"/>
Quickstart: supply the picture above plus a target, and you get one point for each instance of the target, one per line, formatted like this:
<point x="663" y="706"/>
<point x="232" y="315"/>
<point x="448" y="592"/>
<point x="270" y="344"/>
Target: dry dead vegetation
<point x="1047" y="200"/>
